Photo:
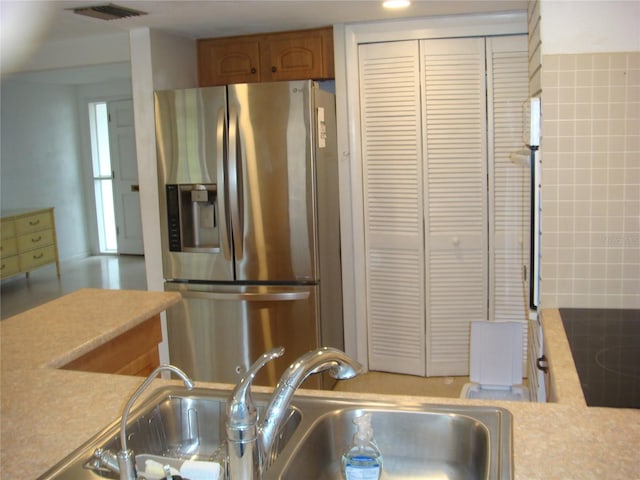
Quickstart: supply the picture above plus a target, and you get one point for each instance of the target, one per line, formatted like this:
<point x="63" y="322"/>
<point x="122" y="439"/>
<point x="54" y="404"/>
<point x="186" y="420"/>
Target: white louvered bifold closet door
<point x="392" y="181"/>
<point x="509" y="183"/>
<point x="454" y="106"/>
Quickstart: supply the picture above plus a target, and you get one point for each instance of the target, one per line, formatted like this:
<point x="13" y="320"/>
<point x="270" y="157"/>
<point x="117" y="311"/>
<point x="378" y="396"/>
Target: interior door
<point x="509" y="183"/>
<point x="126" y="197"/>
<point x="392" y="176"/>
<point x="456" y="218"/>
<point x="433" y="139"/>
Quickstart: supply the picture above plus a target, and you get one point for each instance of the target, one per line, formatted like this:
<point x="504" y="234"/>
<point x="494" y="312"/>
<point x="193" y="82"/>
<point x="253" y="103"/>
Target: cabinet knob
<point x="273" y="69"/>
<point x="253" y="70"/>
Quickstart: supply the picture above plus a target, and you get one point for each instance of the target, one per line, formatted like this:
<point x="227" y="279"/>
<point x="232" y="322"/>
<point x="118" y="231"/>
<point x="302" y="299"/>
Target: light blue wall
<point x="40" y="162"/>
<point x="46" y="154"/>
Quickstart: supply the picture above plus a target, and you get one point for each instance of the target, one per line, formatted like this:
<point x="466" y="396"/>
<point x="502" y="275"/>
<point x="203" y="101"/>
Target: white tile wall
<point x="591" y="180"/>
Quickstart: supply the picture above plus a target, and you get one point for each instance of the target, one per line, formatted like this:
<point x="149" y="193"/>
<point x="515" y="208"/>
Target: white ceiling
<point x="216" y="18"/>
<point x="25" y="25"/>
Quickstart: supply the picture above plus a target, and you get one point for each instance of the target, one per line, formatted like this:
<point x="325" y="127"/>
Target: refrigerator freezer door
<point x="218" y="331"/>
<point x="271" y="148"/>
<point x="191" y="135"/>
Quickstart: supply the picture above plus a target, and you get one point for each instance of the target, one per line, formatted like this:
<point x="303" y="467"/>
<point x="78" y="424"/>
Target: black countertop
<point x="605" y="344"/>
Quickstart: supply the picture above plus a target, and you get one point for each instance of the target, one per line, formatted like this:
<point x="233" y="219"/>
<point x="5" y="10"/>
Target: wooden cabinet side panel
<point x="128" y="353"/>
<point x="143" y="365"/>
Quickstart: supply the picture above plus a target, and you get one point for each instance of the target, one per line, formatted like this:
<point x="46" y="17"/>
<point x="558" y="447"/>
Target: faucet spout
<point x="244" y="453"/>
<point x="249" y="445"/>
<point x="125" y="456"/>
<point x="339" y="365"/>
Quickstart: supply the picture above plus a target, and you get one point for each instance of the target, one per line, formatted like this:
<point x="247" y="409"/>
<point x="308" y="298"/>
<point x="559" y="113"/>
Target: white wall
<point x="572" y="26"/>
<point x="96" y="50"/>
<point x="41" y="164"/>
<point x="590" y="223"/>
<point x="158" y="61"/>
<point x="46" y="154"/>
<point x="44" y="137"/>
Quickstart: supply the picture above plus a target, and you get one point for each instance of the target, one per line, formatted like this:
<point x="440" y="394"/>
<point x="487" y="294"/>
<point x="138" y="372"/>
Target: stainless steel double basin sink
<point x="417" y="440"/>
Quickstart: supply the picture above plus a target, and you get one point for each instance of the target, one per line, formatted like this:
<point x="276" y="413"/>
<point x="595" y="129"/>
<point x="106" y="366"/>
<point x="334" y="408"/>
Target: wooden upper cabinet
<point x="228" y="60"/>
<point x="298" y="55"/>
<point x="305" y="54"/>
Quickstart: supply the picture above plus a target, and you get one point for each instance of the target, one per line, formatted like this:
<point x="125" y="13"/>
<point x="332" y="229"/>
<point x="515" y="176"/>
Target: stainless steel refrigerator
<point x="248" y="187"/>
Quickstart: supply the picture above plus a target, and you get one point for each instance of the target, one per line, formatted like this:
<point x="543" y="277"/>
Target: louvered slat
<point x="392" y="166"/>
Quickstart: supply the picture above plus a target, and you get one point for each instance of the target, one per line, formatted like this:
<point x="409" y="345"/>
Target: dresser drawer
<point x="35" y="258"/>
<point x="7" y="229"/>
<point x="34" y="240"/>
<point x="33" y="223"/>
<point x="8" y="247"/>
<point x="9" y="266"/>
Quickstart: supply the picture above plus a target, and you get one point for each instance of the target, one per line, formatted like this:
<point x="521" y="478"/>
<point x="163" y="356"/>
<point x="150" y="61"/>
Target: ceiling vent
<point x="108" y="12"/>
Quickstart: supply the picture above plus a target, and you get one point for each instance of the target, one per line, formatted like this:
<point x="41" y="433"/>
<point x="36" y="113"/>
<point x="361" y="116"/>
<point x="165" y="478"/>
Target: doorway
<point x="115" y="177"/>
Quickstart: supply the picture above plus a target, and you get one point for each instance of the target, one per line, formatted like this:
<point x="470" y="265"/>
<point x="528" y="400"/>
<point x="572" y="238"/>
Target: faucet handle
<point x="241" y="411"/>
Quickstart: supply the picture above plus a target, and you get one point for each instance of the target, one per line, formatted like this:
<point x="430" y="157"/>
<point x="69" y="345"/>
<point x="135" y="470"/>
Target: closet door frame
<point x="346" y="41"/>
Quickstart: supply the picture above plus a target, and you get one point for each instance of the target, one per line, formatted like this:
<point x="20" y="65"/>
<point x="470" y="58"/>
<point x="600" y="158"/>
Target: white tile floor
<point x="19" y="293"/>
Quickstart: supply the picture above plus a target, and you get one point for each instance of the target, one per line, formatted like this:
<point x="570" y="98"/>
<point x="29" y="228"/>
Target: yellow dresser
<point x="27" y="241"/>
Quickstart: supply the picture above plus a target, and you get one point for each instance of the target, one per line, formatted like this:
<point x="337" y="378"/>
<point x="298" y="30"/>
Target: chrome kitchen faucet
<point x="249" y="445"/>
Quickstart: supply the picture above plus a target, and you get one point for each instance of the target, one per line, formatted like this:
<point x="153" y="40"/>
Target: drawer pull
<point x="36" y="240"/>
<point x="38" y="257"/>
<point x="33" y="223"/>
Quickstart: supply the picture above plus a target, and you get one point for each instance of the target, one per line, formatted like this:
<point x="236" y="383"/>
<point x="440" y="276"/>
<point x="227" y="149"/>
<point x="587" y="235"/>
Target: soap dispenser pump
<point x="363" y="460"/>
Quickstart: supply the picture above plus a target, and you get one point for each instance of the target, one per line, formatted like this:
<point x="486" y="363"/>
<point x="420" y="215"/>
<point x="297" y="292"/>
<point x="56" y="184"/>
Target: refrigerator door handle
<point x="225" y="233"/>
<point x="248" y="296"/>
<point x="234" y="181"/>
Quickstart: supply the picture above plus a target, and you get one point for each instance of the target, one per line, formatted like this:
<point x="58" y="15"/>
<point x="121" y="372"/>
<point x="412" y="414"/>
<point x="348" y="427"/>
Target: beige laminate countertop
<point x="47" y="413"/>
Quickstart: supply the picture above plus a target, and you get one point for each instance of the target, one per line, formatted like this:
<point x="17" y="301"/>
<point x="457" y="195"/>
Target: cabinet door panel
<point x="225" y="61"/>
<point x="294" y="57"/>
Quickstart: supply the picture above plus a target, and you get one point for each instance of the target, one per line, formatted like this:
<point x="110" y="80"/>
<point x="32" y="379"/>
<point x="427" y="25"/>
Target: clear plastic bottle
<point x="363" y="460"/>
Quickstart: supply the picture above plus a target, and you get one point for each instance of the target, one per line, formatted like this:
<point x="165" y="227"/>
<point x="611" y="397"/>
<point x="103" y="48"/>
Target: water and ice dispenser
<point x="193" y="223"/>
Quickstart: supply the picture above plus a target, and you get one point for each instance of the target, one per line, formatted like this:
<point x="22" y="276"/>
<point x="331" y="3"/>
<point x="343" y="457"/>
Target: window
<point x="102" y="177"/>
